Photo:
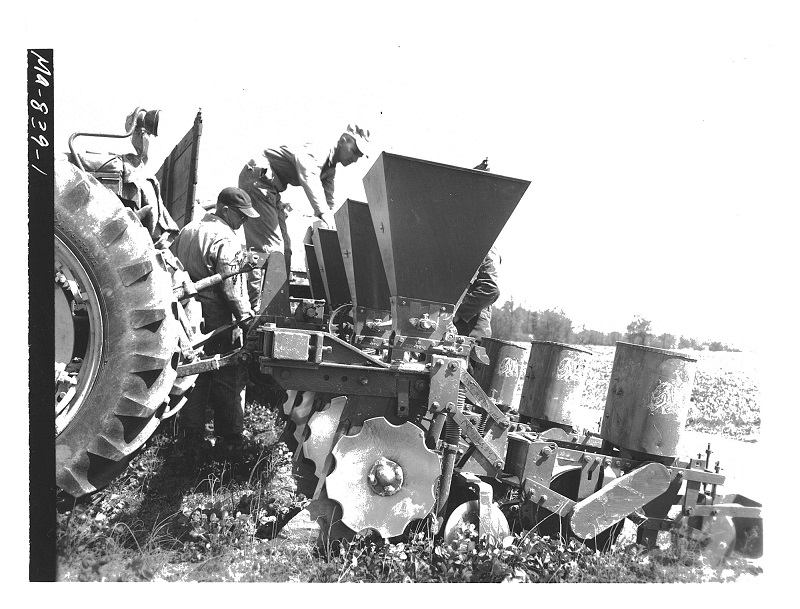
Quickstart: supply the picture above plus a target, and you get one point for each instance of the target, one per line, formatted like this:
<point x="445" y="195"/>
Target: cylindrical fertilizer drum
<point x="499" y="378"/>
<point x="648" y="399"/>
<point x="554" y="382"/>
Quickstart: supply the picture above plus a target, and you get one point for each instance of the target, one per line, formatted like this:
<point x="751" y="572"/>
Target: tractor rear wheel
<point x="116" y="340"/>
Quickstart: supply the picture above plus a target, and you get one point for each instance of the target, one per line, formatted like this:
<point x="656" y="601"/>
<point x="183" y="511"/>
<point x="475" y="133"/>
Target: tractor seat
<point x="106" y="162"/>
<point x="106" y="167"/>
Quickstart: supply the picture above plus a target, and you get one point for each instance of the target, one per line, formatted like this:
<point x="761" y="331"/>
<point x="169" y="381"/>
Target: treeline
<point x="515" y="323"/>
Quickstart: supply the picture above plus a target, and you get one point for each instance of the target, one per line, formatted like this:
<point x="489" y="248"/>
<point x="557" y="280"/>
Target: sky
<point x="659" y="138"/>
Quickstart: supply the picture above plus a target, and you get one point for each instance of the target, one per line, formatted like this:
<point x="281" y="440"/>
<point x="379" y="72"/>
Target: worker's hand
<point x="246" y="319"/>
<point x="327" y="220"/>
<point x="242" y="324"/>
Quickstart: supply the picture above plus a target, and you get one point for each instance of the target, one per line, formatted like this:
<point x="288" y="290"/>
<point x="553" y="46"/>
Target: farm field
<point x="168" y="518"/>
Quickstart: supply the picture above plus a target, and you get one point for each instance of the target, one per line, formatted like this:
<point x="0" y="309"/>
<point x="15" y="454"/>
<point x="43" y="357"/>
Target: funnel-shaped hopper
<point x="314" y="274"/>
<point x="435" y="223"/>
<point x="366" y="276"/>
<point x="331" y="266"/>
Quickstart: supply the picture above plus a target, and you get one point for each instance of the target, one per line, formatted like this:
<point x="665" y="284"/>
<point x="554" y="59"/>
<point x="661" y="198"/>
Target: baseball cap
<point x="361" y="136"/>
<point x="238" y="199"/>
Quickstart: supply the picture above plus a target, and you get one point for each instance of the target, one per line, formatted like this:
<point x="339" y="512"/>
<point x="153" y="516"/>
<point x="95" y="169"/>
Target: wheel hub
<point x="78" y="336"/>
<point x="385" y="477"/>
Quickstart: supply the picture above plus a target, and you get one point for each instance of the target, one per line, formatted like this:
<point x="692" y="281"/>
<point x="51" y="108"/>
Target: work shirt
<point x="208" y="246"/>
<point x="309" y="167"/>
<point x="270" y="172"/>
<point x="483" y="292"/>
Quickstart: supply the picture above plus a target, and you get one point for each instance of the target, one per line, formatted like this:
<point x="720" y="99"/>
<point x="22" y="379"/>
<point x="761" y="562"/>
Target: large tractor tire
<point x="116" y="338"/>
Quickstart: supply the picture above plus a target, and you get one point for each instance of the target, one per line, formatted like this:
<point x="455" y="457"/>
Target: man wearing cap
<point x="205" y="247"/>
<point x="266" y="175"/>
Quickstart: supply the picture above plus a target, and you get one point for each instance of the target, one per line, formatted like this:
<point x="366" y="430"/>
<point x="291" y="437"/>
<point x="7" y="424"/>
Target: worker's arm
<point x="308" y="172"/>
<point x="234" y="288"/>
<point x="327" y="186"/>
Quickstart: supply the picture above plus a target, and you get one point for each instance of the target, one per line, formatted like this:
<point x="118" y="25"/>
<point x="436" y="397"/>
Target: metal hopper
<point x="366" y="276"/>
<point x="331" y="266"/>
<point x="314" y="274"/>
<point x="434" y="224"/>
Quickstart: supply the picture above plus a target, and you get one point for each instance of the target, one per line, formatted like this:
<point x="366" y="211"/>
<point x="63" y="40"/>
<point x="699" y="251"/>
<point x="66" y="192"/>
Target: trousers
<point x="267" y="232"/>
<point x="223" y="389"/>
<point x="479" y="326"/>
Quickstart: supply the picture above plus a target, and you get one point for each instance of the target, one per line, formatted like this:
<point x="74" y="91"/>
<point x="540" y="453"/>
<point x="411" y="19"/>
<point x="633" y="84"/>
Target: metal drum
<point x="499" y="378"/>
<point x="648" y="399"/>
<point x="554" y="383"/>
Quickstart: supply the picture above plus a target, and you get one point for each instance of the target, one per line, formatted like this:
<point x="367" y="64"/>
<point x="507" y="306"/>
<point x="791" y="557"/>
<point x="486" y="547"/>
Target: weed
<point x="222" y="518"/>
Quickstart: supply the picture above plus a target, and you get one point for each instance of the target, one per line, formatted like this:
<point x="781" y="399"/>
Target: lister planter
<point x="399" y="420"/>
<point x="394" y="419"/>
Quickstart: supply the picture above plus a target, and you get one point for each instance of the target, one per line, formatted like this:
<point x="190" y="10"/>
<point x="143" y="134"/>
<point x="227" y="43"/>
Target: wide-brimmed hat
<point x="237" y="199"/>
<point x="361" y="136"/>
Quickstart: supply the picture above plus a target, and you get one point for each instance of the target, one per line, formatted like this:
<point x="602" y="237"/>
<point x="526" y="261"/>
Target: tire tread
<point x="141" y="345"/>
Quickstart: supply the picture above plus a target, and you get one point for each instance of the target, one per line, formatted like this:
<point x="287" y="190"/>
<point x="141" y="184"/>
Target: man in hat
<point x="205" y="247"/>
<point x="266" y="175"/>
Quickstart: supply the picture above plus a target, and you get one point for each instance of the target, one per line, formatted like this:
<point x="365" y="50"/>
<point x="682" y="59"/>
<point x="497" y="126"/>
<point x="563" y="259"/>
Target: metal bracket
<point x="308" y="310"/>
<point x="559" y="435"/>
<point x="372" y="327"/>
<point x="474" y="436"/>
<point x="412" y="343"/>
<point x="402" y="396"/>
<point x="378" y="324"/>
<point x="445" y="374"/>
<point x="478" y="397"/>
<point x="424" y="323"/>
<point x="206" y="365"/>
<point x="485" y="500"/>
<point x="301" y="345"/>
<point x="727" y="509"/>
<point x="690" y="497"/>
<point x="446" y="349"/>
<point x="420" y="319"/>
<point x="591" y="469"/>
<point x="531" y="459"/>
<point x="363" y="341"/>
<point x="539" y="494"/>
<point x="694" y="475"/>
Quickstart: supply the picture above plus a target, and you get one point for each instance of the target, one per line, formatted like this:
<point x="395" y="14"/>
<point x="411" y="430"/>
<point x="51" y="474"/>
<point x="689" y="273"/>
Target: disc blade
<point x="469" y="513"/>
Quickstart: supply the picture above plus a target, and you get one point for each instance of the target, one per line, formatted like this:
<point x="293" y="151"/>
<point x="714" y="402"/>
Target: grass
<point x="216" y="541"/>
<point x="173" y="517"/>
